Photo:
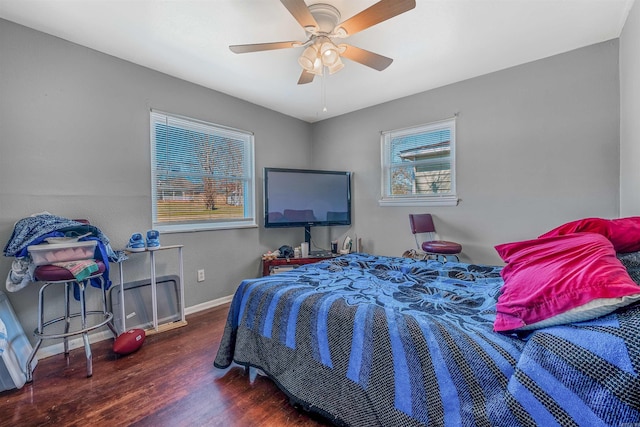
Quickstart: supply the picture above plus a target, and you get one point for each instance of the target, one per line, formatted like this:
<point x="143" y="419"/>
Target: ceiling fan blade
<point x="381" y="11"/>
<point x="305" y="77"/>
<point x="257" y="47"/>
<point x="365" y="57"/>
<point x="300" y="11"/>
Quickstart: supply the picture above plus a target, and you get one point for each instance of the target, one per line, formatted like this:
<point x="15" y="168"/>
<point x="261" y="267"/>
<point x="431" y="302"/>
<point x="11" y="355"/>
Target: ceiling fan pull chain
<point x="324" y="92"/>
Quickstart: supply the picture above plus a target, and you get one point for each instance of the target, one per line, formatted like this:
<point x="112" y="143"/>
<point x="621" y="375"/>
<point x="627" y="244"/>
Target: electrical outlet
<point x="200" y="275"/>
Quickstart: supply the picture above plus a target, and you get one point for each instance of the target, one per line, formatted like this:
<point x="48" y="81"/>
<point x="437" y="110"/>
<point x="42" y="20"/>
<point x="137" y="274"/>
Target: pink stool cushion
<point x="53" y="273"/>
<point x="442" y="247"/>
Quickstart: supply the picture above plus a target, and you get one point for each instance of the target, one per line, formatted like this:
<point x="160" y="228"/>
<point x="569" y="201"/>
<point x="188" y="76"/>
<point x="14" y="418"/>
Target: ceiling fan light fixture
<point x="308" y="58"/>
<point x="318" y="67"/>
<point x="337" y="66"/>
<point x="330" y="54"/>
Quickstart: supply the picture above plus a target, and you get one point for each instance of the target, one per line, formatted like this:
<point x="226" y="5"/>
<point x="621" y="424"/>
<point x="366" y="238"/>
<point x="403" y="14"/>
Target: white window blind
<point x="202" y="175"/>
<point x="418" y="165"/>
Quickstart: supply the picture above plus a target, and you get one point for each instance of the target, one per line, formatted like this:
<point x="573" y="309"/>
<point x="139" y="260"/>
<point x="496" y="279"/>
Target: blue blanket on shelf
<point x="366" y="340"/>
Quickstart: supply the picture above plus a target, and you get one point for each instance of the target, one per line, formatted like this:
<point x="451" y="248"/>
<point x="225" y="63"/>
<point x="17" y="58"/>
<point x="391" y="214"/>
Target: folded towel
<point x="80" y="269"/>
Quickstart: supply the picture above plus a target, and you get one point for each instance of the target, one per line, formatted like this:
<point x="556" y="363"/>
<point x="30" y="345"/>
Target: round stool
<point x="442" y="249"/>
<point x="53" y="275"/>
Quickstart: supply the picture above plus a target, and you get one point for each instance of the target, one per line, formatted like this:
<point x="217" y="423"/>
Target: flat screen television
<point x="306" y="198"/>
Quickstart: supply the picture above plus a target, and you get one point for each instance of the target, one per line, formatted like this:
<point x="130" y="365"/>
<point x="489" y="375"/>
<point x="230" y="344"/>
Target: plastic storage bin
<point x="15" y="348"/>
<point x="48" y="253"/>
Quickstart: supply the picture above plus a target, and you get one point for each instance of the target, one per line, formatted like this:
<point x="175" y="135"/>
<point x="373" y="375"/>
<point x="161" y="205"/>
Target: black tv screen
<point x="305" y="198"/>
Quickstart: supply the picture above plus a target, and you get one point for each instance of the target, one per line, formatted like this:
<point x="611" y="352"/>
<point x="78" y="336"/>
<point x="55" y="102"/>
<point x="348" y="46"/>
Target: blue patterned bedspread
<point x="366" y="340"/>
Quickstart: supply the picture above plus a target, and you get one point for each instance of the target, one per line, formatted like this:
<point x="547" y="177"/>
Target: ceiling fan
<point x="321" y="24"/>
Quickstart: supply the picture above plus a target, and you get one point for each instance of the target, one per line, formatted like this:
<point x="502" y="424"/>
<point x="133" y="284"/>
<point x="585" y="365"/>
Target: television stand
<point x="268" y="265"/>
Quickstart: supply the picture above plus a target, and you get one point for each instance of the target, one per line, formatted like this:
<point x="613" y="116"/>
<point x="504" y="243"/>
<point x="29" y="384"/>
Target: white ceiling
<point x="437" y="43"/>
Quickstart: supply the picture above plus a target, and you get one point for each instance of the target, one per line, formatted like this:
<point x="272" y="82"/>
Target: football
<point x="129" y="341"/>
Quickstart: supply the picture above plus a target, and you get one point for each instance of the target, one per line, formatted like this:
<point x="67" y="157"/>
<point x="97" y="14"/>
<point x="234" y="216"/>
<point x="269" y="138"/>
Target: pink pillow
<point x="550" y="277"/>
<point x="624" y="233"/>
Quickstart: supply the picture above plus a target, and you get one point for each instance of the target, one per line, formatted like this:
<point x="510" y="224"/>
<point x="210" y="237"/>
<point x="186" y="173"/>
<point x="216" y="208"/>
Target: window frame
<point x="247" y="138"/>
<point x="386" y="143"/>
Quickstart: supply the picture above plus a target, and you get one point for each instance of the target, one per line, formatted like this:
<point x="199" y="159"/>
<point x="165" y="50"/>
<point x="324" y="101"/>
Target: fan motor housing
<point x="326" y="16"/>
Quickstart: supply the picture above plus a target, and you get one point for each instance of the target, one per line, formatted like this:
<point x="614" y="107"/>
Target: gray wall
<point x="74" y="141"/>
<point x="629" y="113"/>
<point x="537" y="145"/>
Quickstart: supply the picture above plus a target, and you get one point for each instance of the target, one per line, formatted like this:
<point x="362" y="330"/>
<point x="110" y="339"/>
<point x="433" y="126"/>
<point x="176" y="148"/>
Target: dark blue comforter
<point x="366" y="340"/>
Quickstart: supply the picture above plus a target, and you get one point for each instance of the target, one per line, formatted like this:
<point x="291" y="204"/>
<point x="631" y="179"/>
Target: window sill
<point x="450" y="200"/>
<point x="189" y="228"/>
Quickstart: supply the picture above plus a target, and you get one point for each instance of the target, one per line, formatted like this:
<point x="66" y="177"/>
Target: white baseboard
<point x="207" y="305"/>
<point x="52" y="350"/>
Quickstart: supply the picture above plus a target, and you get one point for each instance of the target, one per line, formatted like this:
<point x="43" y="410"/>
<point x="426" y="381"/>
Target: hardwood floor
<point x="170" y="381"/>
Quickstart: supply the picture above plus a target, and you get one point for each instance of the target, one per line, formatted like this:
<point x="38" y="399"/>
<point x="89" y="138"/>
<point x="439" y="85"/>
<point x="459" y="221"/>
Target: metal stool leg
<point x="67" y="318"/>
<point x="29" y="370"/>
<point x="40" y="329"/>
<point x="440" y="257"/>
<point x="85" y="335"/>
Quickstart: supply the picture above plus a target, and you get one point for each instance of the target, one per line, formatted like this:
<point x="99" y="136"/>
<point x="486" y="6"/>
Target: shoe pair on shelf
<point x="137" y="243"/>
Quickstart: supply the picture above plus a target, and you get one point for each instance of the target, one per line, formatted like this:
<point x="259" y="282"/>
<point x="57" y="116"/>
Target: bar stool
<point x="54" y="275"/>
<point x="438" y="249"/>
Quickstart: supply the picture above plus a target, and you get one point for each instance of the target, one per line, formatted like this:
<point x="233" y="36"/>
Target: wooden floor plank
<point x="170" y="381"/>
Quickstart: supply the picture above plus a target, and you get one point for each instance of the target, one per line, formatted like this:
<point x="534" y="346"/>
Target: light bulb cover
<point x="337" y="66"/>
<point x="329" y="53"/>
<point x="318" y="67"/>
<point x="308" y="58"/>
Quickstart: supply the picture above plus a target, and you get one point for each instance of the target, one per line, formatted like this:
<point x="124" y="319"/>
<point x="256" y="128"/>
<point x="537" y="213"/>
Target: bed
<point x="366" y="340"/>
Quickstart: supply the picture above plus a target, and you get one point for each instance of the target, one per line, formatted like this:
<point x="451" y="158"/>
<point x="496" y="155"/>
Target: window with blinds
<point x="202" y="175"/>
<point x="418" y="165"/>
